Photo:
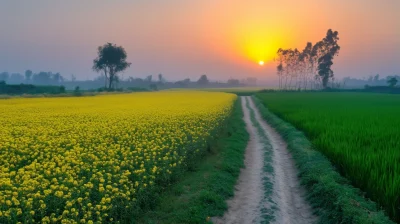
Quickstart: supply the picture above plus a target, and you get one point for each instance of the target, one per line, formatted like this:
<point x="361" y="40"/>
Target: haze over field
<point x="184" y="39"/>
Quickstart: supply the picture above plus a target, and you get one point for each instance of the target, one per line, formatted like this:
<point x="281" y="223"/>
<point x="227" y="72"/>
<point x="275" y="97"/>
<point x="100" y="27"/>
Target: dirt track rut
<point x="286" y="203"/>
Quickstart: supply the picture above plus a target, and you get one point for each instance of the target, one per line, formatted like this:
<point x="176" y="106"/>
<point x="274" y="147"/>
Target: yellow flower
<point x="115" y="144"/>
<point x="46" y="219"/>
<point x="59" y="194"/>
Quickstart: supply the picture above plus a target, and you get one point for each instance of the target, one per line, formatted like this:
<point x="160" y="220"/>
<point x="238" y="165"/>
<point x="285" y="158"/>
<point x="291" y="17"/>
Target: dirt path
<point x="244" y="207"/>
<point x="287" y="196"/>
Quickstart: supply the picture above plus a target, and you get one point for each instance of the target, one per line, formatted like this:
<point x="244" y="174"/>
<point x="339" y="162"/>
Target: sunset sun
<point x="261" y="63"/>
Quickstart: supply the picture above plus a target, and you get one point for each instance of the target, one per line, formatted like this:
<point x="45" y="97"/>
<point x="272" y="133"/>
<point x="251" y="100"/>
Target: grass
<point x="202" y="192"/>
<point x="333" y="197"/>
<point x="268" y="170"/>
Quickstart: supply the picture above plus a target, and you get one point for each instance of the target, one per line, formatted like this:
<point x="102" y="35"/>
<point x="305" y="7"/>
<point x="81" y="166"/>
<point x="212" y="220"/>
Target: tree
<point x="28" y="75"/>
<point x="250" y="81"/>
<point x="57" y="78"/>
<point x="392" y="81"/>
<point x="4" y="76"/>
<point x="161" y="78"/>
<point x="183" y="83"/>
<point x="148" y="78"/>
<point x="233" y="82"/>
<point x="111" y="59"/>
<point x="203" y="80"/>
<point x="73" y="78"/>
<point x="116" y="82"/>
<point x="329" y="49"/>
<point x="43" y="78"/>
<point x="310" y="66"/>
<point x="376" y="78"/>
<point x="294" y="66"/>
<point x="306" y="60"/>
<point x="77" y="91"/>
<point x="279" y="68"/>
<point x="289" y="67"/>
<point x="153" y="87"/>
<point x="186" y="81"/>
<point x="16" y="78"/>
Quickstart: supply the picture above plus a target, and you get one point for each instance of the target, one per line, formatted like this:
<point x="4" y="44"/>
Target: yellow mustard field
<point x="99" y="159"/>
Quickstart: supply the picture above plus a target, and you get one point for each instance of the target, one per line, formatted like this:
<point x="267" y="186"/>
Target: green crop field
<point x="358" y="132"/>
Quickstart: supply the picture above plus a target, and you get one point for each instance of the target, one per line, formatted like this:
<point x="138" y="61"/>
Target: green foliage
<point x="203" y="191"/>
<point x="392" y="81"/>
<point x="29" y="89"/>
<point x="111" y="59"/>
<point x="137" y="89"/>
<point x="102" y="89"/>
<point x="203" y="80"/>
<point x="327" y="49"/>
<point x="301" y="67"/>
<point x="153" y="87"/>
<point x="381" y="89"/>
<point x="77" y="91"/>
<point x="359" y="134"/>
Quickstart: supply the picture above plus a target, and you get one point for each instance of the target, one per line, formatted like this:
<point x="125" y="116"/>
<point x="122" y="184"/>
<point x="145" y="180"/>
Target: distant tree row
<point x="153" y="82"/>
<point x="17" y="89"/>
<point x="310" y="68"/>
<point x="392" y="82"/>
<point x="370" y="81"/>
<point x="111" y="60"/>
<point x="42" y="78"/>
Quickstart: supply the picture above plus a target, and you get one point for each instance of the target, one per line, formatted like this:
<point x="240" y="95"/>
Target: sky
<point x="184" y="39"/>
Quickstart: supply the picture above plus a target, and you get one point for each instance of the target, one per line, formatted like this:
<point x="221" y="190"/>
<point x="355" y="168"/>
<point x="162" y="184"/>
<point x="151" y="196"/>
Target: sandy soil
<point x="288" y="195"/>
<point x="244" y="207"/>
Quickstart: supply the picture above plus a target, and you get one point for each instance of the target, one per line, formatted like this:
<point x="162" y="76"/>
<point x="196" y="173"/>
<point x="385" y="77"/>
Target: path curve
<point x="288" y="196"/>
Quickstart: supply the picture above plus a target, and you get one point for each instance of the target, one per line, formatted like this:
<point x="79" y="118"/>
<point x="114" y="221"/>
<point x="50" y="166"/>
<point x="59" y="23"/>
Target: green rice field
<point x="358" y="132"/>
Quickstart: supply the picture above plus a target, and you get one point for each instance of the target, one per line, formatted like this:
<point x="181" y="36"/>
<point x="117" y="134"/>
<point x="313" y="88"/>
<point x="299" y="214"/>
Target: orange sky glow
<point x="183" y="39"/>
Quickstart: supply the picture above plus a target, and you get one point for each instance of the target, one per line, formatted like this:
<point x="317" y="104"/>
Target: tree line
<point x="375" y="80"/>
<point x="310" y="68"/>
<point x="110" y="62"/>
<point x="42" y="78"/>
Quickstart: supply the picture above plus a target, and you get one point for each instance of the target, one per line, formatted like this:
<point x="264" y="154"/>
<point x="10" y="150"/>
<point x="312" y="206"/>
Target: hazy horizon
<point x="181" y="39"/>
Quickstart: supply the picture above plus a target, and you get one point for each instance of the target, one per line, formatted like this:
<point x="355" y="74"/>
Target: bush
<point x="29" y="89"/>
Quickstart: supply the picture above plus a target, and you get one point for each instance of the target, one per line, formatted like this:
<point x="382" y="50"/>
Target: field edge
<point x="202" y="193"/>
<point x="332" y="196"/>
